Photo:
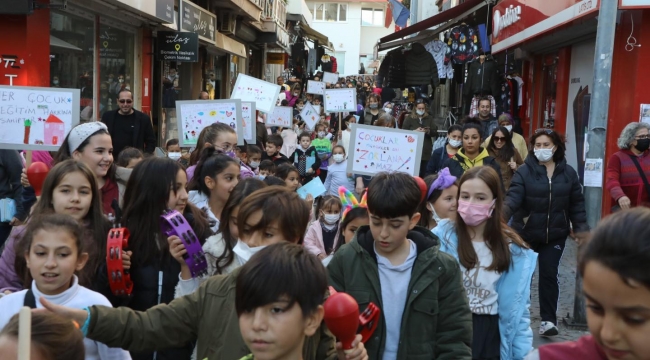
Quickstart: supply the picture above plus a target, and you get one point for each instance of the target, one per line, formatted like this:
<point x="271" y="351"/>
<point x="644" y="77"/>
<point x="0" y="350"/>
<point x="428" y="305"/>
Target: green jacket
<point x="206" y="316"/>
<point x="437" y="321"/>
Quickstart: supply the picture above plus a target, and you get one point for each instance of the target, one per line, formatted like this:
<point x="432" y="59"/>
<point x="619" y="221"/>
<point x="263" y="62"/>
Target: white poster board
<point x="315" y="87"/>
<point x="329" y="77"/>
<point x="375" y="149"/>
<point x="194" y="115"/>
<point x="309" y="116"/>
<point x="340" y="100"/>
<point x="37" y="118"/>
<point x="281" y="116"/>
<point x="264" y="94"/>
<point x="248" y="121"/>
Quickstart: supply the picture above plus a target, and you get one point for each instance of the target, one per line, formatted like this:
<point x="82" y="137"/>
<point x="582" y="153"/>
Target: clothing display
<point x="482" y="78"/>
<point x="438" y="50"/>
<point x="392" y="71"/>
<point x="421" y="67"/>
<point x="462" y="42"/>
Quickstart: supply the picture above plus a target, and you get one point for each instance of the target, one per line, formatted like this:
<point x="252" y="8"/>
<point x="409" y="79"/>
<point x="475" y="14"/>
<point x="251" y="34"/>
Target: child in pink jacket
<point x="323" y="234"/>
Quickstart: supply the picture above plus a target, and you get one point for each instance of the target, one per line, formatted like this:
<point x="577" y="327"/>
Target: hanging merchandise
<point x="505" y="103"/>
<point x="438" y="50"/>
<point x="326" y="64"/>
<point x="421" y="67"/>
<point x="392" y="71"/>
<point x="482" y="78"/>
<point x="311" y="61"/>
<point x="463" y="44"/>
<point x="335" y="66"/>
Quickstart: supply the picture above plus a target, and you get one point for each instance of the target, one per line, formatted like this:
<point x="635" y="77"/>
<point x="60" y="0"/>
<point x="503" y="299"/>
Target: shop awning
<point x="58" y="43"/>
<point x="230" y="45"/>
<point x="457" y="12"/>
<point x="315" y="35"/>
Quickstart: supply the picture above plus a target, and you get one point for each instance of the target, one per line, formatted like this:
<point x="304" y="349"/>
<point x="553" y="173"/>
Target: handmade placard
<point x="194" y="115"/>
<point x="281" y="116"/>
<point x="264" y="94"/>
<point x="37" y="118"/>
<point x="340" y="100"/>
<point x="309" y="116"/>
<point x="329" y="77"/>
<point x="375" y="149"/>
<point x="248" y="121"/>
<point x="315" y="87"/>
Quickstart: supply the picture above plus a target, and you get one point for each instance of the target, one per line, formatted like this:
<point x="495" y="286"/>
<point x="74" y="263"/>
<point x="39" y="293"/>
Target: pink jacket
<point x="314" y="239"/>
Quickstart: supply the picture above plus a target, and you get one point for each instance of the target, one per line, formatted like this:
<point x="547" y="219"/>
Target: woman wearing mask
<point x="441" y="154"/>
<point x="547" y="190"/>
<point x="293" y="95"/>
<point x="372" y="111"/>
<point x="420" y="120"/>
<point x="625" y="183"/>
<point x="388" y="108"/>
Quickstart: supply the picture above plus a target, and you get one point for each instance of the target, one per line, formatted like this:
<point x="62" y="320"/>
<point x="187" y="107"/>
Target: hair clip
<point x="444" y="180"/>
<point x="350" y="201"/>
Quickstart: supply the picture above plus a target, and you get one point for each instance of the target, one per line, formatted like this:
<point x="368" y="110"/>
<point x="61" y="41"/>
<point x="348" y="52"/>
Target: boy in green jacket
<point x="398" y="266"/>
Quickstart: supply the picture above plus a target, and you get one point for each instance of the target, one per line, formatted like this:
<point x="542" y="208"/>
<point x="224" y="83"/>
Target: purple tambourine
<point x="173" y="223"/>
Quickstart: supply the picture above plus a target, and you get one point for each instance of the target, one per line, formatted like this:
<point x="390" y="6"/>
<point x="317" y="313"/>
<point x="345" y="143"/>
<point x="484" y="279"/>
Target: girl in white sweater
<point x="337" y="174"/>
<point x="54" y="254"/>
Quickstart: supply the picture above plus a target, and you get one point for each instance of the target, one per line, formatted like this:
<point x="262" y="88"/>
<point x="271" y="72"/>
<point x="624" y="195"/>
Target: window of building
<point x="330" y="12"/>
<point x="372" y="17"/>
<point x="116" y="54"/>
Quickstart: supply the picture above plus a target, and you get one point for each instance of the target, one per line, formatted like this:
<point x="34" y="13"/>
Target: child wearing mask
<point x="306" y="159"/>
<point x="254" y="158"/>
<point x="323" y="148"/>
<point x="266" y="169"/>
<point x="322" y="237"/>
<point x="441" y="202"/>
<point x="337" y="174"/>
<point x="372" y="112"/>
<point x="173" y="149"/>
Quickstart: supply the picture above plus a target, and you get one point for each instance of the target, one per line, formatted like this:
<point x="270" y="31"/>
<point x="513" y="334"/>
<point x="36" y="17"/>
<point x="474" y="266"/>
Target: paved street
<point x="567" y="293"/>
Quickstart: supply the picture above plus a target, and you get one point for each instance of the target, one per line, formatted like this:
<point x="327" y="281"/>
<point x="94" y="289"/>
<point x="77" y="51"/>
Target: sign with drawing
<point x="248" y="121"/>
<point x="315" y="87"/>
<point x="37" y="118"/>
<point x="329" y="77"/>
<point x="340" y="100"/>
<point x="375" y="149"/>
<point x="194" y="115"/>
<point x="281" y="116"/>
<point x="264" y="94"/>
<point x="309" y="116"/>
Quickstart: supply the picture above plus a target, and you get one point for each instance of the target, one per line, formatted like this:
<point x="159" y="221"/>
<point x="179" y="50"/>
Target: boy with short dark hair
<point x="305" y="158"/>
<point x="273" y="146"/>
<point x="275" y="316"/>
<point x="267" y="168"/>
<point x="129" y="157"/>
<point x="398" y="266"/>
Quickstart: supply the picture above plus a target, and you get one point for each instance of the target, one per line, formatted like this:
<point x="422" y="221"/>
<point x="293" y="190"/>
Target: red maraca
<point x="36" y="174"/>
<point x="343" y="319"/>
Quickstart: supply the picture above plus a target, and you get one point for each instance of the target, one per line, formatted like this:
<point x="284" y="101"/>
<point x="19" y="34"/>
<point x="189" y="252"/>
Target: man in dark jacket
<point x="488" y="121"/>
<point x="129" y="127"/>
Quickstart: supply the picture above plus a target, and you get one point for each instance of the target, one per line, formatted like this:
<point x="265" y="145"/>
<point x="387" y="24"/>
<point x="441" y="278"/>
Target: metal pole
<point x="598" y="112"/>
<point x="414" y="12"/>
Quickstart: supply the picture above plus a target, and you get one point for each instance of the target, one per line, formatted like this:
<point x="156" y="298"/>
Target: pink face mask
<point x="474" y="214"/>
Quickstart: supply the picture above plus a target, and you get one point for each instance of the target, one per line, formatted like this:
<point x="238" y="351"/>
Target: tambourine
<point x="118" y="278"/>
<point x="173" y="223"/>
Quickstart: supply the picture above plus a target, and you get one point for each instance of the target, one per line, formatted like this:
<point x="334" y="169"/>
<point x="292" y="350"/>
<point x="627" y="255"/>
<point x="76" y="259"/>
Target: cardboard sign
<point x="315" y="87"/>
<point x="309" y="116"/>
<point x="314" y="188"/>
<point x="248" y="121"/>
<point x="194" y="115"/>
<point x="264" y="94"/>
<point x="340" y="100"/>
<point x="329" y="77"/>
<point x="375" y="149"/>
<point x="281" y="116"/>
<point x="37" y="118"/>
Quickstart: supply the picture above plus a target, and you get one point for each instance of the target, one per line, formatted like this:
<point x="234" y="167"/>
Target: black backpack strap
<point x="640" y="169"/>
<point x="30" y="300"/>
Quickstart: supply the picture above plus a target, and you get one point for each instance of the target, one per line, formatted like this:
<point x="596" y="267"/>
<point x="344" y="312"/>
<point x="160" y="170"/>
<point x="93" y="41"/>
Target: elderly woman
<point x="628" y="170"/>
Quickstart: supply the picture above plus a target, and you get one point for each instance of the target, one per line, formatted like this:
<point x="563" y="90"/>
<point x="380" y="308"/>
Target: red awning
<point x="433" y="21"/>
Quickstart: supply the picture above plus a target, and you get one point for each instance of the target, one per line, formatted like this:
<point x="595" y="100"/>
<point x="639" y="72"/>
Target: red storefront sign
<point x="515" y="21"/>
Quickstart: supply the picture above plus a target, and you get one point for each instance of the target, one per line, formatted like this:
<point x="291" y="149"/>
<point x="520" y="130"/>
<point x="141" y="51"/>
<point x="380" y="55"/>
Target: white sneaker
<point x="547" y="328"/>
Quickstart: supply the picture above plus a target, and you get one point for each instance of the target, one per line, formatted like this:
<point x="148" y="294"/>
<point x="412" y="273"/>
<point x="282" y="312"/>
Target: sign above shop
<point x="160" y="9"/>
<point x="516" y="21"/>
<point x="275" y="58"/>
<point x="178" y="46"/>
<point x="634" y="4"/>
<point x="196" y="19"/>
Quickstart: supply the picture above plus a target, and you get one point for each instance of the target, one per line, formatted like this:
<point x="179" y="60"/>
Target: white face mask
<point x="455" y="143"/>
<point x="338" y="157"/>
<point x="261" y="177"/>
<point x="434" y="215"/>
<point x="321" y="134"/>
<point x="419" y="112"/>
<point x="244" y="252"/>
<point x="544" y="155"/>
<point x="254" y="164"/>
<point x="388" y="111"/>
<point x="331" y="218"/>
<point x="509" y="128"/>
<point x="174" y="155"/>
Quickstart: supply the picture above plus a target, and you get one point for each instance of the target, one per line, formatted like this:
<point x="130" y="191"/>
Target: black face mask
<point x="642" y="144"/>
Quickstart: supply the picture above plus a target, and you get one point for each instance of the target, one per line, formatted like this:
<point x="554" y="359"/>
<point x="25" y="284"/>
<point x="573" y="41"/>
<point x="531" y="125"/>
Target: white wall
<point x="350" y="37"/>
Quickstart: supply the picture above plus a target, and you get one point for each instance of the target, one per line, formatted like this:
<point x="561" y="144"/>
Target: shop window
<point x="71" y="57"/>
<point x="330" y="12"/>
<point x="372" y="17"/>
<point x="116" y="54"/>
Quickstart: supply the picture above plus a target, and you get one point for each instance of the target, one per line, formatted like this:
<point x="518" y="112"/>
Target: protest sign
<point x="248" y="120"/>
<point x="194" y="115"/>
<point x="340" y="100"/>
<point x="314" y="188"/>
<point x="315" y="87"/>
<point x="329" y="77"/>
<point x="309" y="116"/>
<point x="263" y="94"/>
<point x="281" y="116"/>
<point x="37" y="118"/>
<point x="375" y="149"/>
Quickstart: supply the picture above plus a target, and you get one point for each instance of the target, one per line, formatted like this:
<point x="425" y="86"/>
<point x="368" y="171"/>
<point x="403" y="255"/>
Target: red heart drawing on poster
<point x="410" y="139"/>
<point x="228" y="113"/>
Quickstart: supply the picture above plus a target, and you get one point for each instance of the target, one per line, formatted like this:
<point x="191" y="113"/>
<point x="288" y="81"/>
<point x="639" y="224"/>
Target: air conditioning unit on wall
<point x="227" y="23"/>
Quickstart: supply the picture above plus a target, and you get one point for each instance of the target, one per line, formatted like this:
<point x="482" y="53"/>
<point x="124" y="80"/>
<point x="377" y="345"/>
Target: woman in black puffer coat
<point x="547" y="190"/>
